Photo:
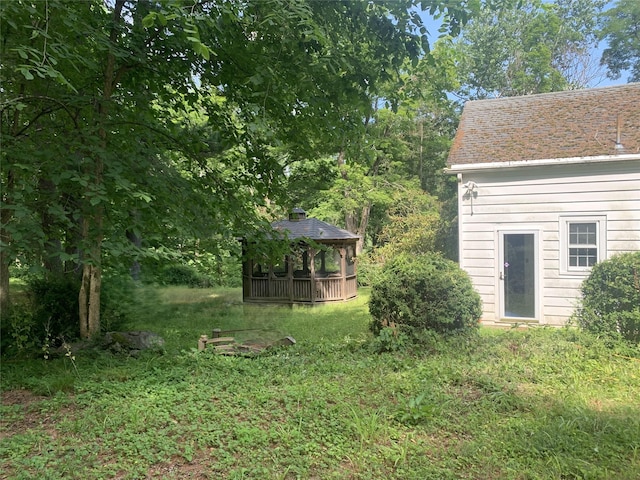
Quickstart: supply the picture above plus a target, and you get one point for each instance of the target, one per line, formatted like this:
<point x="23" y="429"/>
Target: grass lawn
<point x="510" y="404"/>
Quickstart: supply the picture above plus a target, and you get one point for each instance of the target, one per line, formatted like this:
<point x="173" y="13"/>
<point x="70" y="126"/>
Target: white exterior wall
<point x="535" y="199"/>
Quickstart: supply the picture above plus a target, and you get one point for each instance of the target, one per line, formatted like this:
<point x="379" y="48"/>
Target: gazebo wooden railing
<point x="303" y="289"/>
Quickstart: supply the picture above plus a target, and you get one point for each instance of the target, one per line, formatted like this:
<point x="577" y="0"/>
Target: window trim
<point x="601" y="241"/>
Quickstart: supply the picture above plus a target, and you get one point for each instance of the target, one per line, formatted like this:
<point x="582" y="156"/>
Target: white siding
<point x="538" y="198"/>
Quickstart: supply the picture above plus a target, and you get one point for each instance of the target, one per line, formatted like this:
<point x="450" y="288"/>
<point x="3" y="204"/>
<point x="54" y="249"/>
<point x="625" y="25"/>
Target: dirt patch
<point x="22" y="413"/>
<point x="20" y="397"/>
<point x="199" y="468"/>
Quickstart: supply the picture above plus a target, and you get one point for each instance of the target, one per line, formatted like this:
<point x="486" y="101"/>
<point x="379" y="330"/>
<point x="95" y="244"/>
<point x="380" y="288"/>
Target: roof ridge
<point x="580" y="91"/>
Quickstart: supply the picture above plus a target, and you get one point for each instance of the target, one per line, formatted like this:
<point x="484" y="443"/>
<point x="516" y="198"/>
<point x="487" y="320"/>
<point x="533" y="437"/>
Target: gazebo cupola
<point x="320" y="266"/>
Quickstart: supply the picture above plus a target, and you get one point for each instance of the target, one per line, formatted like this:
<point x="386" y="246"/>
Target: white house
<point x="548" y="185"/>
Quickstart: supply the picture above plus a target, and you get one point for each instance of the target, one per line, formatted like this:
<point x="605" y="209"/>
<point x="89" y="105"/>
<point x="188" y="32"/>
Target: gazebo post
<point x="343" y="272"/>
<point x="312" y="273"/>
<point x="271" y="277"/>
<point x="290" y="275"/>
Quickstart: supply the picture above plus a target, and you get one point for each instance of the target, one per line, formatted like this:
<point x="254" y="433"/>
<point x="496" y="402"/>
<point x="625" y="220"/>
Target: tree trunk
<point x="4" y="284"/>
<point x="362" y="228"/>
<point x="91" y="284"/>
<point x="353" y="223"/>
<point x="89" y="295"/>
<point x="51" y="255"/>
<point x="6" y="215"/>
<point x="136" y="240"/>
<point x="5" y="239"/>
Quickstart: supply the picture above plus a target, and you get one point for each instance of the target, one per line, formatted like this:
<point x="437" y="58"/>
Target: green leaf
<point x="201" y="50"/>
<point x="149" y="20"/>
<point x="26" y="73"/>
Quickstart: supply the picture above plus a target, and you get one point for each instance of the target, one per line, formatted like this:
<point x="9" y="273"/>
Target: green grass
<point x="511" y="404"/>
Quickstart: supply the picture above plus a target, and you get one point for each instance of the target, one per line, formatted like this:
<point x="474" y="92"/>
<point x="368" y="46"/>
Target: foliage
<point x="396" y="159"/>
<point x="621" y="31"/>
<point x="54" y="307"/>
<point x="117" y="301"/>
<point x="183" y="275"/>
<point x="411" y="224"/>
<point x="45" y="313"/>
<point x="547" y="403"/>
<point x="173" y="122"/>
<point x="411" y="227"/>
<point x="610" y="304"/>
<point x="391" y="339"/>
<point x="399" y="149"/>
<point x="529" y="47"/>
<point x="18" y="329"/>
<point x="424" y="292"/>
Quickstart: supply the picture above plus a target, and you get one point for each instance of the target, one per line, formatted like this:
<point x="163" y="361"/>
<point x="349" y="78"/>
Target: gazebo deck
<point x="302" y="290"/>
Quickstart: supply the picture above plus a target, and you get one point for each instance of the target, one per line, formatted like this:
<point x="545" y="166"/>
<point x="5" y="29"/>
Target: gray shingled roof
<point x="570" y="124"/>
<point x="314" y="229"/>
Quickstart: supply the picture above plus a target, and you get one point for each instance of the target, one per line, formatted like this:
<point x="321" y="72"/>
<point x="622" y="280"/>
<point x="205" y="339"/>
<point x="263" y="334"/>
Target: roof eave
<point x="472" y="167"/>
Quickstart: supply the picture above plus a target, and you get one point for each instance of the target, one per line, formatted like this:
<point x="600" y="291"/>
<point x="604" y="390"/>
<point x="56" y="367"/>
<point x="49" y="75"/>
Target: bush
<point x="206" y="271"/>
<point x="424" y="292"/>
<point x="184" y="275"/>
<point x="17" y="329"/>
<point x="610" y="304"/>
<point x="54" y="307"/>
<point x="368" y="269"/>
<point x="46" y="314"/>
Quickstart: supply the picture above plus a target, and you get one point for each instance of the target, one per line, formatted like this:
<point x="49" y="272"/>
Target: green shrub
<point x="368" y="269"/>
<point x="610" y="304"/>
<point x="184" y="275"/>
<point x="46" y="314"/>
<point x="424" y="292"/>
<point x="206" y="271"/>
<point x="17" y="329"/>
<point x="54" y="306"/>
<point x="225" y="271"/>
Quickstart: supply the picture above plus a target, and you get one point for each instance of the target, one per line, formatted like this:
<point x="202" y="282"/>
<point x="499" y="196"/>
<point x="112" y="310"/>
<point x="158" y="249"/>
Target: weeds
<point x="505" y="404"/>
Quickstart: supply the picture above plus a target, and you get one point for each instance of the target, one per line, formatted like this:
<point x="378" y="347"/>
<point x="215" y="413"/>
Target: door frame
<point x="500" y="232"/>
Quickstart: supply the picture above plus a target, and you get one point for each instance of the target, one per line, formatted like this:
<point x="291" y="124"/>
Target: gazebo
<point x="320" y="266"/>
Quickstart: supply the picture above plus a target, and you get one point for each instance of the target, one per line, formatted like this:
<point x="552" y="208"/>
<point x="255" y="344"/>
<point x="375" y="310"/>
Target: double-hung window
<point x="582" y="243"/>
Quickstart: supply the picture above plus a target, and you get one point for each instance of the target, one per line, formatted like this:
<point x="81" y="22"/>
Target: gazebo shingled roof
<point x="312" y="228"/>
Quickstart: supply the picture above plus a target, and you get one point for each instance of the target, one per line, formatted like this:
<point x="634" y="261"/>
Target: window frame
<point x="600" y="222"/>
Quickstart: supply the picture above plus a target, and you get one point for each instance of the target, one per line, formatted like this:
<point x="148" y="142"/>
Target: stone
<point x="132" y="343"/>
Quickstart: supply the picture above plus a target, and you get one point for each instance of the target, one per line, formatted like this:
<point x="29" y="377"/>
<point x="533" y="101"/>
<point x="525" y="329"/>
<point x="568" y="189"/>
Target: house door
<point x="518" y="280"/>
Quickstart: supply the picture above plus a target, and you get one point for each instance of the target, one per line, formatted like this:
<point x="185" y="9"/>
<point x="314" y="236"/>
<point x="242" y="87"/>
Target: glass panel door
<point x="519" y="275"/>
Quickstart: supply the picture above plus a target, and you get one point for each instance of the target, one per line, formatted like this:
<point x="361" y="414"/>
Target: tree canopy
<point x="621" y="31"/>
<point x="135" y="129"/>
<point x="529" y="47"/>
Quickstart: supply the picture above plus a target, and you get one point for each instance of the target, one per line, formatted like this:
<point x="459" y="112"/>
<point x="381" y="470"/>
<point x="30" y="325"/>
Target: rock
<point x="132" y="343"/>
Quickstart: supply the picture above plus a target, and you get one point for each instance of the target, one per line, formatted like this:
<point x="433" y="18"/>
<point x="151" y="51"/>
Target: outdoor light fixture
<point x="471" y="191"/>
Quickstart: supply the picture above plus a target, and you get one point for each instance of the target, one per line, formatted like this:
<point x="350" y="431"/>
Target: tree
<point x="529" y="47"/>
<point x="621" y="31"/>
<point x="401" y="147"/>
<point x="167" y="122"/>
